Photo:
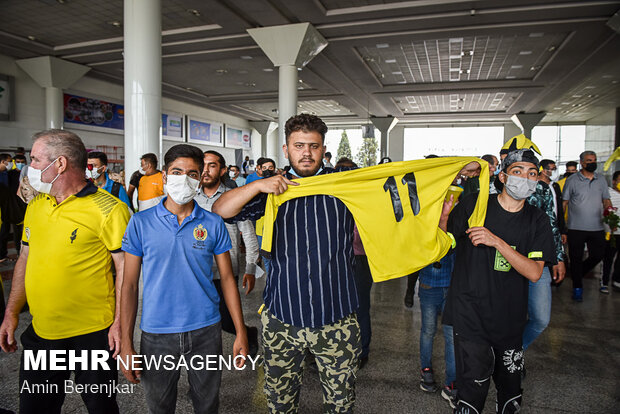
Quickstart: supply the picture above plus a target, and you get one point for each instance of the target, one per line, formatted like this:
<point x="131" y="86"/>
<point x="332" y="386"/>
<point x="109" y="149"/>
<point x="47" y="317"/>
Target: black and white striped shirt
<point x="310" y="282"/>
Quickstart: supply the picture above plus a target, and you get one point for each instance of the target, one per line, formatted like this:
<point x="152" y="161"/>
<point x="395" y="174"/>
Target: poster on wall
<point x="201" y="131"/>
<point x="93" y="114"/>
<point x="7" y="98"/>
<point x="238" y="137"/>
<point x="172" y="127"/>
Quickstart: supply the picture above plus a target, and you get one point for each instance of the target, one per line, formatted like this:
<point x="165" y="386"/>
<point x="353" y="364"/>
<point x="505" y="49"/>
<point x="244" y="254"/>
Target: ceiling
<point x="422" y="61"/>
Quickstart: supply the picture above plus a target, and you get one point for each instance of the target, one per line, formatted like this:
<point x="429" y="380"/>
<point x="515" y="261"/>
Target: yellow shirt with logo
<point x="396" y="207"/>
<point x="150" y="191"/>
<point x="69" y="283"/>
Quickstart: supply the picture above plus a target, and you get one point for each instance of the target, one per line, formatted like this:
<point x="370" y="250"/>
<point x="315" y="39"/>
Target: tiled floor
<point x="573" y="367"/>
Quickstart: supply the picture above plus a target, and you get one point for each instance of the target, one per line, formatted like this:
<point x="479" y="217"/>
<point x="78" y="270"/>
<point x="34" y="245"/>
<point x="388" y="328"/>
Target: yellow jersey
<point x="69" y="282"/>
<point x="396" y="207"/>
<point x="150" y="191"/>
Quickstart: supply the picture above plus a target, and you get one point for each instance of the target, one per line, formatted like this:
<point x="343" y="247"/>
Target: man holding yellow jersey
<point x="72" y="235"/>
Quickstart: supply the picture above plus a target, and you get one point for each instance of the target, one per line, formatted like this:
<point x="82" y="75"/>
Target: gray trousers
<point x="160" y="384"/>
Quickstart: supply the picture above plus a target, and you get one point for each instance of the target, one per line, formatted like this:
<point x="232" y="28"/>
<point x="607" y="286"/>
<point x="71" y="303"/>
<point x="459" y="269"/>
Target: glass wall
<point x="461" y="141"/>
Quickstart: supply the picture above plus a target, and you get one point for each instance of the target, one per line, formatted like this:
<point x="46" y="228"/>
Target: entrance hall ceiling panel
<point x="470" y="58"/>
<point x="456" y="102"/>
<point x="323" y="108"/>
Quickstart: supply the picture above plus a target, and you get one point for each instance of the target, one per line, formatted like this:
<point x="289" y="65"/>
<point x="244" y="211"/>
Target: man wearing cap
<point x="488" y="296"/>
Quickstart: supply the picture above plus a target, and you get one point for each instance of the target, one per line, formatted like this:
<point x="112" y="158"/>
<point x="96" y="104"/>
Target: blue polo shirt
<point x="179" y="294"/>
<point x="122" y="194"/>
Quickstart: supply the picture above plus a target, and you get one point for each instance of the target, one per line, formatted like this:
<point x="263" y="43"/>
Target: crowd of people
<point x="196" y="231"/>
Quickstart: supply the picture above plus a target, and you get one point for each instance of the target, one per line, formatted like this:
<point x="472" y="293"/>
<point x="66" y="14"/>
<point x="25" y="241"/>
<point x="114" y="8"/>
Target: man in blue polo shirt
<point x="176" y="242"/>
<point x="97" y="170"/>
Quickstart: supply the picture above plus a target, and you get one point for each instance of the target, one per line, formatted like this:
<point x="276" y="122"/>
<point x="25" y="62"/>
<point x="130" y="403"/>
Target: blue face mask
<point x="20" y="165"/>
<point x="496" y="171"/>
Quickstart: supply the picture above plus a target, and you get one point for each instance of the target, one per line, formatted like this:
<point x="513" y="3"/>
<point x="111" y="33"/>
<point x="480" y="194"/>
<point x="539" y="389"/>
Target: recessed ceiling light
<point x="382" y="45"/>
<point x="557" y="108"/>
<point x="250" y="84"/>
<point x="390" y="60"/>
<point x="32" y="38"/>
<point x="246" y="57"/>
<point x="551" y="48"/>
<point x="189" y="89"/>
<point x="525" y="52"/>
<point x="565" y="103"/>
<point x="300" y="81"/>
<point x="115" y="23"/>
<point x="535" y="68"/>
<point x="537" y="34"/>
<point x="299" y="69"/>
<point x="336" y="109"/>
<point x="397" y="73"/>
<point x="221" y="71"/>
<point x="467" y="53"/>
<point x="590" y="87"/>
<point x="465" y="71"/>
<point x="194" y="12"/>
<point x="516" y="67"/>
<point x="511" y="77"/>
<point x="268" y="70"/>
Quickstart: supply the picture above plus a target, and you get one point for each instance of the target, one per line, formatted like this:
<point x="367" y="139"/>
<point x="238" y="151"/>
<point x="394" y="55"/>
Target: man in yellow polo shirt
<point x="72" y="235"/>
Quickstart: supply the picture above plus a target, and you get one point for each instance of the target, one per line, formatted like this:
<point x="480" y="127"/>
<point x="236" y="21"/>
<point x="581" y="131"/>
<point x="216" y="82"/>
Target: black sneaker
<point x="448" y="392"/>
<point x="427" y="381"/>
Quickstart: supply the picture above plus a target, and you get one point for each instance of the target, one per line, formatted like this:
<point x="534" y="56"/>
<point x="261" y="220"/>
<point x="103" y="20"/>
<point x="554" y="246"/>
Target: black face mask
<point x="268" y="173"/>
<point x="591" y="167"/>
<point x="568" y="174"/>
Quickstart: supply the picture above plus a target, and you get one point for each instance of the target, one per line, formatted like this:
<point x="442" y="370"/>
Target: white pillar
<point x="54" y="75"/>
<point x="54" y="113"/>
<point x="287" y="103"/>
<point x="397" y="143"/>
<point x="142" y="64"/>
<point x="288" y="47"/>
<point x="385" y="125"/>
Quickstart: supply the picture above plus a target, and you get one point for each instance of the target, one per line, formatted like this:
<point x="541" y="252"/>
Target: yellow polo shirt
<point x="69" y="282"/>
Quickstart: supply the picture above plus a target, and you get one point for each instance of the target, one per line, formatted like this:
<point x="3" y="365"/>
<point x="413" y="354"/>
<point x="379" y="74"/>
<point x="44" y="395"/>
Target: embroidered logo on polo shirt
<point x="200" y="233"/>
<point x="27" y="231"/>
<point x="73" y="235"/>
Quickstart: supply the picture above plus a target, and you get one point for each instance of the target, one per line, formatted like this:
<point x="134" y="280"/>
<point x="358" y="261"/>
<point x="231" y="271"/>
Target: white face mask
<point x="181" y="188"/>
<point x="94" y="173"/>
<point x="141" y="171"/>
<point x="231" y="174"/>
<point x="555" y="174"/>
<point x="34" y="176"/>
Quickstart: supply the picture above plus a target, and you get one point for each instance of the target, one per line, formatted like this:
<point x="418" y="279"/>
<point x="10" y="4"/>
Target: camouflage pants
<point x="336" y="347"/>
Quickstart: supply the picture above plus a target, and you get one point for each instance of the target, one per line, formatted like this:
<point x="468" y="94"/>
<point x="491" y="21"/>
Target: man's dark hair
<point x="20" y="150"/>
<point x="184" y="151"/>
<point x="328" y="155"/>
<point x="615" y="176"/>
<point x="266" y="160"/>
<point x="19" y="157"/>
<point x="220" y="158"/>
<point x="234" y="166"/>
<point x="488" y="158"/>
<point x="345" y="162"/>
<point x="431" y="156"/>
<point x="5" y="157"/>
<point x="98" y="155"/>
<point x="260" y="161"/>
<point x="305" y="123"/>
<point x="571" y="164"/>
<point x="546" y="163"/>
<point x="150" y="158"/>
